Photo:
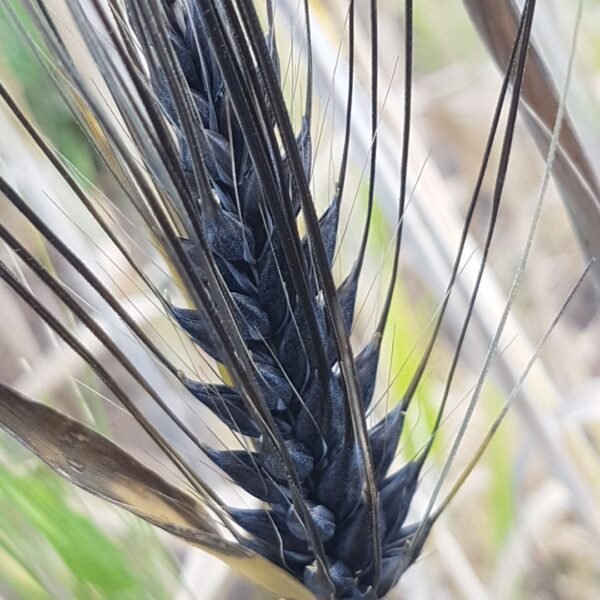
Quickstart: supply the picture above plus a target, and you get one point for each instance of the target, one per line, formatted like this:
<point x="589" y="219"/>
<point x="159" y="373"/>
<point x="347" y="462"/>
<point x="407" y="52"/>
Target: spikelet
<point x="219" y="177"/>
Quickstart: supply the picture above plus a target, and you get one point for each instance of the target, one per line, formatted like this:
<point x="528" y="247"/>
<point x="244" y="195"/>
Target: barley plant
<point x="310" y="288"/>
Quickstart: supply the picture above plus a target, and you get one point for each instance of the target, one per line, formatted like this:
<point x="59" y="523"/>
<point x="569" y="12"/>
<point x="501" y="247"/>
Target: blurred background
<point x="527" y="522"/>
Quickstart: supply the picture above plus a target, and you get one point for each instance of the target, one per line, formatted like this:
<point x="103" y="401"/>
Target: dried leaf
<point x="97" y="465"/>
<point x="497" y="22"/>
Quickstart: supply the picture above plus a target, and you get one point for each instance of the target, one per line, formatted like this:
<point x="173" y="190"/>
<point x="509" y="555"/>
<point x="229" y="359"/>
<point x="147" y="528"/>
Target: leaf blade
<point x="574" y="173"/>
<point x="100" y="467"/>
